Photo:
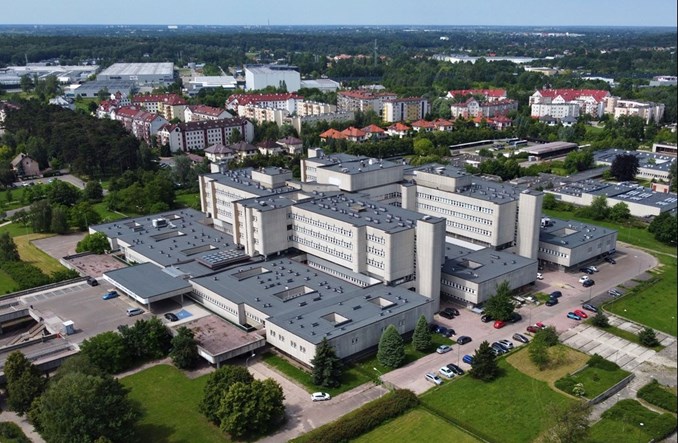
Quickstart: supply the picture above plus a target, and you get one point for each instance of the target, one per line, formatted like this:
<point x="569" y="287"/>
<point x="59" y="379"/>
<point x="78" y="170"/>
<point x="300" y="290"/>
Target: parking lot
<point x="629" y="264"/>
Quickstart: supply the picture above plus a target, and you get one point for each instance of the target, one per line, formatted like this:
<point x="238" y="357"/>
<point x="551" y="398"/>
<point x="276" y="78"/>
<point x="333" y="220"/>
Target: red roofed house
<point x="291" y="145"/>
<point x="144" y="125"/>
<point x="560" y="103"/>
<point x="219" y="152"/>
<point x="423" y="126"/>
<point x="354" y="134"/>
<point x="374" y="132"/>
<point x="473" y="108"/>
<point x="489" y="95"/>
<point x="203" y="112"/>
<point x="286" y="101"/>
<point x="333" y="134"/>
<point x="170" y="106"/>
<point x="441" y="124"/>
<point x="398" y="129"/>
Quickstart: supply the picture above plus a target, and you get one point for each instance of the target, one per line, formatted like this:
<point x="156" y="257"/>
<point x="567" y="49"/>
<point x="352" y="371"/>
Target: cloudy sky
<point x="344" y="12"/>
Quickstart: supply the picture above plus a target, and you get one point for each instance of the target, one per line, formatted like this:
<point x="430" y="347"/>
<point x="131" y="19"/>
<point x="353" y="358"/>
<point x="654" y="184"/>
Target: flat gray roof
<point x="482" y="265"/>
<point x="647" y="160"/>
<point x="572" y="234"/>
<point x="139" y="69"/>
<point x="148" y="281"/>
<point x="625" y="192"/>
<point x="242" y="179"/>
<point x="362" y="165"/>
<point x="549" y="147"/>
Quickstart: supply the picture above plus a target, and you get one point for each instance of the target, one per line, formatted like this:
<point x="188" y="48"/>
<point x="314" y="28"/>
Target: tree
<point x="499" y="306"/>
<point x="41" y="215"/>
<point x="664" y="228"/>
<point x="250" y="409"/>
<point x="235" y="136"/>
<point x="184" y="351"/>
<point x="421" y="339"/>
<point x="648" y="337"/>
<point x="327" y="367"/>
<point x="600" y="320"/>
<point x="539" y="354"/>
<point x="82" y="408"/>
<point x="624" y="167"/>
<point x="82" y="215"/>
<point x="579" y="160"/>
<point x="391" y="350"/>
<point x="93" y="191"/>
<point x="107" y="351"/>
<point x="24" y="382"/>
<point x="8" y="249"/>
<point x="59" y="223"/>
<point x="484" y="365"/>
<point x="147" y="339"/>
<point x="217" y="384"/>
<point x="570" y="424"/>
<point x="21" y="217"/>
<point x="598" y="209"/>
<point x="548" y="336"/>
<point x="620" y="212"/>
<point x="96" y="243"/>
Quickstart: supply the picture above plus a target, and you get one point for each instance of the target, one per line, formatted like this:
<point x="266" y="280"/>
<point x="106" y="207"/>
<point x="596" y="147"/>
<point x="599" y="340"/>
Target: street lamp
<point x="248" y="359"/>
<point x="379" y="376"/>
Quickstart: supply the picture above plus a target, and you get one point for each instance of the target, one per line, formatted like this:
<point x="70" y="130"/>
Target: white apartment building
<point x="363" y="100"/>
<point x="648" y="111"/>
<point x="405" y="109"/>
<point x="199" y="135"/>
<point x="552" y="102"/>
<point x="261" y="77"/>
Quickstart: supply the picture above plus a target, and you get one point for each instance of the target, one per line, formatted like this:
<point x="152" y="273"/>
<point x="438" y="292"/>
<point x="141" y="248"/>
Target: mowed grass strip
<point x="169" y="401"/>
<point x="654" y="305"/>
<point x="7" y="284"/>
<point x="30" y="253"/>
<point x="512" y="408"/>
<point x="417" y="425"/>
<point x="568" y="361"/>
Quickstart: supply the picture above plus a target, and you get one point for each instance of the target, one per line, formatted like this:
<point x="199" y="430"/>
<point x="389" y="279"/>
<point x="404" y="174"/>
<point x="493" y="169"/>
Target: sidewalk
<point x="22" y="422"/>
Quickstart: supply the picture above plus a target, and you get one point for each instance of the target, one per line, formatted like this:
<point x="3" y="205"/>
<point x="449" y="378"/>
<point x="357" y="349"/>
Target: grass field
<point x="629" y="421"/>
<point x="188" y="200"/>
<point x="653" y="305"/>
<point x="596" y="380"/>
<point x="106" y="215"/>
<point x="417" y="425"/>
<point x="15" y="230"/>
<point x="29" y="253"/>
<point x="512" y="408"/>
<point x="7" y="284"/>
<point x="570" y="362"/>
<point x="169" y="401"/>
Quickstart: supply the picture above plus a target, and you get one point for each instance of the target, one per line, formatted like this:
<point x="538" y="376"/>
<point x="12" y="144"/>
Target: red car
<point x="499" y="324"/>
<point x="532" y="329"/>
<point x="580" y="313"/>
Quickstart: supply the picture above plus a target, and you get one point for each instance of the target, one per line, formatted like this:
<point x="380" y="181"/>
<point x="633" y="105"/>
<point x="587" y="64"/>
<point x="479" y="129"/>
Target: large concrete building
<point x="651" y="166"/>
<point x="142" y="74"/>
<point x="405" y="109"/>
<point x="260" y="77"/>
<point x="648" y="111"/>
<point x="199" y="135"/>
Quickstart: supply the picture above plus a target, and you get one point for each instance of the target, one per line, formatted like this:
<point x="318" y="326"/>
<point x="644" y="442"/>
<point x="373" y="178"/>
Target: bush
<point x="648" y="338"/>
<point x="600" y="320"/>
<point x="566" y="384"/>
<point x="654" y="394"/>
<point x="596" y="361"/>
<point x="12" y="433"/>
<point x="25" y="274"/>
<point x="363" y="419"/>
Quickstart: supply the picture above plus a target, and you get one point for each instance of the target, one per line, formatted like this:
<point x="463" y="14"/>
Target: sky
<point x="345" y="12"/>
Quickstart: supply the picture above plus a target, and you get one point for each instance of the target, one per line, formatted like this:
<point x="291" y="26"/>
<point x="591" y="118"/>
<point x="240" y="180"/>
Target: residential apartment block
<point x="143" y="124"/>
<point x="473" y="108"/>
<point x="405" y="109"/>
<point x="199" y="135"/>
<point x="488" y="95"/>
<point x="560" y="103"/>
<point x="648" y="111"/>
<point x="196" y="113"/>
<point x="170" y="106"/>
<point x="363" y="100"/>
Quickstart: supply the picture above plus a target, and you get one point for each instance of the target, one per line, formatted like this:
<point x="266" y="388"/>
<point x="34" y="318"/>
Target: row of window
<point x="455" y="285"/>
<point x="281" y="339"/>
<point x="216" y="302"/>
<point x="376" y="251"/>
<point x="325" y="237"/>
<point x="231" y="195"/>
<point x="322" y="225"/>
<point x="336" y="273"/>
<point x="375" y="263"/>
<point x="456" y="214"/>
<point x="321" y="247"/>
<point x="552" y="252"/>
<point x="464" y="227"/>
<point x="450" y="202"/>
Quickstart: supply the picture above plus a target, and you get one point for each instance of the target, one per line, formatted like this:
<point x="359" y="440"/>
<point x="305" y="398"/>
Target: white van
<point x="131" y="312"/>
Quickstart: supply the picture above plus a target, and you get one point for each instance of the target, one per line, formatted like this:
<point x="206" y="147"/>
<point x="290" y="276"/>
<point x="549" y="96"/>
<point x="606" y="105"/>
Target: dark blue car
<point x="468" y="359"/>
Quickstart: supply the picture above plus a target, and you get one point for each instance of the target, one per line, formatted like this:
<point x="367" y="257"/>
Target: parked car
<point x="610" y="260"/>
<point x="446" y="314"/>
<point x="445" y="332"/>
<point x="468" y="359"/>
<point x="447" y="372"/>
<point x="555" y="294"/>
<point x="520" y="337"/>
<point x="485" y="318"/>
<point x="499" y="324"/>
<point x="589" y="307"/>
<point x="463" y="339"/>
<point x="581" y="313"/>
<point x="131" y="312"/>
<point x="443" y="349"/>
<point x="614" y="292"/>
<point x="320" y="396"/>
<point x="515" y="317"/>
<point x="92" y="281"/>
<point x="540" y="276"/>
<point x="171" y="316"/>
<point x="551" y="302"/>
<point x="498" y="348"/>
<point x="109" y="295"/>
<point x="532" y="329"/>
<point x="587" y="270"/>
<point x="433" y="327"/>
<point x="453" y="311"/>
<point x="508" y="344"/>
<point x="573" y="316"/>
<point x="430" y="376"/>
<point x="583" y="278"/>
<point x="456" y="369"/>
<point x="593" y="268"/>
<point x="589" y="283"/>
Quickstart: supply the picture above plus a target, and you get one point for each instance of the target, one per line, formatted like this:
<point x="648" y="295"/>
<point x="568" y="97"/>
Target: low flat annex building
<point x="550" y="150"/>
<point x="571" y="243"/>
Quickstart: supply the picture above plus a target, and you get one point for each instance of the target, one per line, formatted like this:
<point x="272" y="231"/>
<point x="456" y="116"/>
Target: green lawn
<point x="355" y="374"/>
<point x="631" y="235"/>
<point x="15" y="229"/>
<point x="106" y="215"/>
<point x="188" y="200"/>
<point x="596" y="380"/>
<point x="652" y="304"/>
<point x="629" y="421"/>
<point x="417" y="425"/>
<point x="169" y="401"/>
<point x="512" y="408"/>
<point x="7" y="283"/>
<point x="30" y="253"/>
<point x="13" y="201"/>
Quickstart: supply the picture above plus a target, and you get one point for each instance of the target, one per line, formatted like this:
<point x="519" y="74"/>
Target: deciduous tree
<point x="184" y="351"/>
<point x="217" y="385"/>
<point x="624" y="167"/>
<point x="96" y="243"/>
<point x="499" y="306"/>
<point x="250" y="409"/>
<point x="24" y="382"/>
<point x="8" y="249"/>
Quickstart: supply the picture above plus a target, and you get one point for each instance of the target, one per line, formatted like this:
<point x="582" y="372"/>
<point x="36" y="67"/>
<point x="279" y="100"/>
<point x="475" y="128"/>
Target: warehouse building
<point x="142" y="74"/>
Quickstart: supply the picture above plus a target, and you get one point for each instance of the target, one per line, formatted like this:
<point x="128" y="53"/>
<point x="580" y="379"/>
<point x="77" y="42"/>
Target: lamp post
<point x="248" y="359"/>
<point x="378" y="376"/>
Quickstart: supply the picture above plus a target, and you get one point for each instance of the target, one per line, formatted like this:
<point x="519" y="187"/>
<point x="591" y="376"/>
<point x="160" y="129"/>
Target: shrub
<point x="600" y="320"/>
<point x="25" y="274"/>
<point x="596" y="361"/>
<point x="648" y="338"/>
<point x="12" y="433"/>
<point x="566" y="384"/>
<point x="363" y="419"/>
<point x="653" y="393"/>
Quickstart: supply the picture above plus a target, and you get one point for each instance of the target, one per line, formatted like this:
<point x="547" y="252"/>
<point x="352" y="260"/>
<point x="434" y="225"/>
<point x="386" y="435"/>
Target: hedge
<point x="566" y="384"/>
<point x="596" y="361"/>
<point x="12" y="433"/>
<point x="24" y="274"/>
<point x="653" y="393"/>
<point x="631" y="412"/>
<point x="363" y="419"/>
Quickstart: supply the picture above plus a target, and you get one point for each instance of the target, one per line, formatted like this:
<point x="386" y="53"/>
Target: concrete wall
<point x="430" y="253"/>
<point x="529" y="219"/>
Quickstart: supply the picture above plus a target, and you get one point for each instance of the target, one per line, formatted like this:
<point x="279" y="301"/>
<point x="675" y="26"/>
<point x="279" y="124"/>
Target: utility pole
<point x="375" y="52"/>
